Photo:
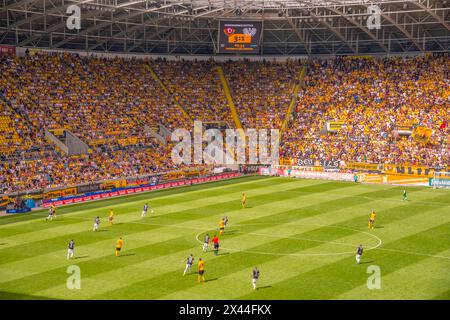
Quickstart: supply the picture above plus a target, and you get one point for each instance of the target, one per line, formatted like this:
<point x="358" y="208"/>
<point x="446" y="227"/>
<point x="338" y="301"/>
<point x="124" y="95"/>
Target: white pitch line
<point x="281" y="254"/>
<point x="329" y="254"/>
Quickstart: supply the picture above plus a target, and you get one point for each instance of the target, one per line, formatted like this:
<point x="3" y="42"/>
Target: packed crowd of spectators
<point x="108" y="104"/>
<point x="196" y="87"/>
<point x="111" y="104"/>
<point x="375" y="99"/>
<point x="262" y="91"/>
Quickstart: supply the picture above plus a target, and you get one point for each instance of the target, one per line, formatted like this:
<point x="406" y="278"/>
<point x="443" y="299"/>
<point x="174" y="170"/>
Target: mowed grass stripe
<point x="60" y="244"/>
<point x="179" y="195"/>
<point x="290" y="266"/>
<point x="327" y="189"/>
<point x="342" y="278"/>
<point x="17" y="266"/>
<point x="182" y="202"/>
<point x="265" y="205"/>
<point x="99" y="249"/>
<point x="13" y="231"/>
<point x="195" y="213"/>
<point x="109" y="262"/>
<point x="423" y="219"/>
<point x="230" y="266"/>
<point x="154" y="231"/>
<point x="443" y="296"/>
<point x="317" y="190"/>
<point x="424" y="222"/>
<point x="430" y="276"/>
<point x="285" y="268"/>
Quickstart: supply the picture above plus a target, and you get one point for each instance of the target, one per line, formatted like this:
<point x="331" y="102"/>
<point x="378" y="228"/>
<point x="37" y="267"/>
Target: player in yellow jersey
<point x="372" y="218"/>
<point x="201" y="270"/>
<point x="53" y="211"/>
<point x="111" y="217"/>
<point x="221" y="226"/>
<point x="243" y="200"/>
<point x="119" y="246"/>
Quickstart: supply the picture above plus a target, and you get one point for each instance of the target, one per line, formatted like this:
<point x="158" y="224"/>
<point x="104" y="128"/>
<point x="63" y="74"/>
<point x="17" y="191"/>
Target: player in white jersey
<point x="96" y="223"/>
<point x="359" y="252"/>
<point x="206" y="243"/>
<point x="145" y="209"/>
<point x="70" y="249"/>
<point x="50" y="214"/>
<point x="189" y="263"/>
<point x="255" y="277"/>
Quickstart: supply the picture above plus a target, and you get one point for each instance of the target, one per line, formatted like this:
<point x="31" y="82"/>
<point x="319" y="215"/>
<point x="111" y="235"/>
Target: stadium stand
<point x="373" y="98"/>
<point x="262" y="91"/>
<point x="110" y="104"/>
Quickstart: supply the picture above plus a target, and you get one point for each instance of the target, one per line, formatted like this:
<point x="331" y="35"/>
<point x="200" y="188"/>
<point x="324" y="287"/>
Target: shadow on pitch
<point x="223" y="254"/>
<point x="82" y="257"/>
<point x="265" y="287"/>
<point x="211" y="280"/>
<point x="127" y="254"/>
<point x="366" y="262"/>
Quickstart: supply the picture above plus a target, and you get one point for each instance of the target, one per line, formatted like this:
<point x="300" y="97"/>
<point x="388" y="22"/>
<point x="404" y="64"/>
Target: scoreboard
<point x="240" y="36"/>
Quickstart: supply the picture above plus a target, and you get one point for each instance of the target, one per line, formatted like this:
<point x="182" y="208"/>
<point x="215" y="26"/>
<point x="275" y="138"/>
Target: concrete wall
<point x="55" y="140"/>
<point x="75" y="145"/>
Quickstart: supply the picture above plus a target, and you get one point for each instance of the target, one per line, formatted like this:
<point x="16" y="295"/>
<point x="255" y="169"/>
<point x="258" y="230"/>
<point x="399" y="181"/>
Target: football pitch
<point x="301" y="234"/>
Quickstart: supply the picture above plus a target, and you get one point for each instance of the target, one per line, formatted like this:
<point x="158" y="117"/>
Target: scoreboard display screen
<point x="239" y="36"/>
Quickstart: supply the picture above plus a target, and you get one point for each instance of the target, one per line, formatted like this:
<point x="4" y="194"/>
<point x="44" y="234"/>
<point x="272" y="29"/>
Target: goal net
<point x="440" y="180"/>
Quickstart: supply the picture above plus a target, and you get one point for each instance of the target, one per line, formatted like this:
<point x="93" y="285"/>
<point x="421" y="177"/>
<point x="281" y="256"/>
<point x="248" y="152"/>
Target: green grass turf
<point x="301" y="234"/>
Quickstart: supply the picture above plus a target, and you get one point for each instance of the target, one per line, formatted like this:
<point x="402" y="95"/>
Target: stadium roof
<point x="291" y="27"/>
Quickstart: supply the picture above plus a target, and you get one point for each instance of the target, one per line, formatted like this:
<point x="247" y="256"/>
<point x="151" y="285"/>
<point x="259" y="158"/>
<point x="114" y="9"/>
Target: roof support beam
<point x="18" y="4"/>
<point x="403" y="30"/>
<point x="124" y="32"/>
<point x="431" y="13"/>
<point x="333" y="30"/>
<point x="36" y="16"/>
<point x="126" y="15"/>
<point x="361" y="27"/>
<point x="53" y="28"/>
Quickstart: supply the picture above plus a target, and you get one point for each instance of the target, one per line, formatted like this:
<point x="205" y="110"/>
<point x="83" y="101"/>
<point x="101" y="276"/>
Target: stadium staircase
<point x="293" y="100"/>
<point x="162" y="85"/>
<point x="234" y="115"/>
